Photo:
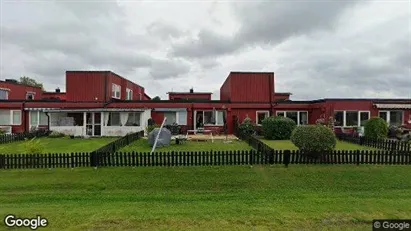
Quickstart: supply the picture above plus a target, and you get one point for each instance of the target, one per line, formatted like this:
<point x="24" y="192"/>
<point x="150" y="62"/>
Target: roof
<point x="251" y="72"/>
<point x="21" y="84"/>
<point x="393" y="106"/>
<point x="192" y="93"/>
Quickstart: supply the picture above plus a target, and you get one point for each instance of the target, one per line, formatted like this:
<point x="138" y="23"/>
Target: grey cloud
<point x="347" y="71"/>
<point x="63" y="35"/>
<point x="163" y="69"/>
<point x="208" y="43"/>
<point x="265" y="22"/>
<point x="163" y="30"/>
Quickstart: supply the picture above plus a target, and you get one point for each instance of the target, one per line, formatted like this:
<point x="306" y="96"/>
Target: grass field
<point x="288" y="145"/>
<point x="142" y="145"/>
<point x="57" y="145"/>
<point x="209" y="198"/>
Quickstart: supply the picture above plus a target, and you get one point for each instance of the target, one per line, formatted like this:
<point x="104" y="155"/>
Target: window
<point x="16" y="118"/>
<point x="114" y="119"/>
<point x="4" y="94"/>
<point x="300" y="117"/>
<point x="129" y="94"/>
<point x="38" y="118"/>
<point x="261" y="115"/>
<point x="208" y="118"/>
<point x="219" y="118"/>
<point x="171" y="117"/>
<point x="30" y="95"/>
<point x="364" y="116"/>
<point x="10" y="117"/>
<point x="182" y="117"/>
<point x="115" y="91"/>
<point x="339" y="118"/>
<point x="280" y="113"/>
<point x="351" y="118"/>
<point x="392" y="117"/>
<point x="303" y="118"/>
<point x="133" y="119"/>
<point x="292" y="115"/>
<point x="4" y="117"/>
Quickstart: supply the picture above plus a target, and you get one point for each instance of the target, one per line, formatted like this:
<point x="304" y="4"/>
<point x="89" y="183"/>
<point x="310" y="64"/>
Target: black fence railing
<point x="119" y="143"/>
<point x="206" y="158"/>
<point x="384" y="144"/>
<point x="8" y="138"/>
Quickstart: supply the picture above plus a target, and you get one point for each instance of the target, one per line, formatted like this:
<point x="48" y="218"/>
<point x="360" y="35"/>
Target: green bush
<point x="314" y="139"/>
<point x="56" y="135"/>
<point x="34" y="146"/>
<point x="376" y="128"/>
<point x="246" y="127"/>
<point x="174" y="128"/>
<point x="150" y="128"/>
<point x="278" y="128"/>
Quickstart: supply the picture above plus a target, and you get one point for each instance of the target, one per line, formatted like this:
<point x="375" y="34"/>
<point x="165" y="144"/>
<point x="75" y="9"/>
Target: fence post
<point x="93" y="159"/>
<point x="358" y="157"/>
<point x="286" y="157"/>
<point x="271" y="156"/>
<point x="361" y="140"/>
<point x="2" y="161"/>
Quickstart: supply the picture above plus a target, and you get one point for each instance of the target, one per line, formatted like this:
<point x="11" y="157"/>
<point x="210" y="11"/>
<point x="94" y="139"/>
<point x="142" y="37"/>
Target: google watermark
<point x="401" y="225"/>
<point x="32" y="223"/>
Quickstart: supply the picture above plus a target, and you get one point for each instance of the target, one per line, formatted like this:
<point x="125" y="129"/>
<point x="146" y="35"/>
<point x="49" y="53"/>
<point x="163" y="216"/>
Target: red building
<point x="102" y="103"/>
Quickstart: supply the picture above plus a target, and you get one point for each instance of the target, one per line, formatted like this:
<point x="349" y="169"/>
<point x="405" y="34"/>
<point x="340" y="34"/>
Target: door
<point x="93" y="126"/>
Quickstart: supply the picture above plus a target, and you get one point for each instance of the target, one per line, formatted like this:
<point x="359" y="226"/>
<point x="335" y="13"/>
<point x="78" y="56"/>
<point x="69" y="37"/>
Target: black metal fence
<point x="384" y="144"/>
<point x="8" y="138"/>
<point x="206" y="158"/>
<point x="119" y="143"/>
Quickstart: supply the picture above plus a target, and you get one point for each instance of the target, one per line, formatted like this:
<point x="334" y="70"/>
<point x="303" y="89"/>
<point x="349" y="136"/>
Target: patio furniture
<point x="181" y="139"/>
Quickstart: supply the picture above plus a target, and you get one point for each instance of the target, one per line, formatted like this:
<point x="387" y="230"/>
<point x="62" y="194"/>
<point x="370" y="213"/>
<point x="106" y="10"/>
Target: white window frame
<point x="11" y="117"/>
<point x="114" y="89"/>
<point x="298" y="115"/>
<point x="38" y="119"/>
<point x="30" y="93"/>
<point x="129" y="94"/>
<point x="7" y="93"/>
<point x="389" y="115"/>
<point x="216" y="118"/>
<point x="267" y="113"/>
<point x="345" y="118"/>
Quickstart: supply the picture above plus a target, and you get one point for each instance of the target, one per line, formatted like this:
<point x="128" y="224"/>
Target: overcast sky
<point x="317" y="49"/>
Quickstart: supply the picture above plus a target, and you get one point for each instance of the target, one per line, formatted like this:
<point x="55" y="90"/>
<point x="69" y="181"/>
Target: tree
<point x="157" y="98"/>
<point x="30" y="82"/>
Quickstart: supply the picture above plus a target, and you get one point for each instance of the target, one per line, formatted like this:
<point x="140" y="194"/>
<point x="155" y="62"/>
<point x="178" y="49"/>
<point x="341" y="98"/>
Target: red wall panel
<point x="225" y="90"/>
<point x="124" y="83"/>
<point x="250" y="87"/>
<point x="19" y="91"/>
<point x="85" y="86"/>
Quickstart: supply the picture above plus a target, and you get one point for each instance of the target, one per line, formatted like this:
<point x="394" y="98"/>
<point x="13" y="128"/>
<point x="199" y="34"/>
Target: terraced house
<point x="102" y="103"/>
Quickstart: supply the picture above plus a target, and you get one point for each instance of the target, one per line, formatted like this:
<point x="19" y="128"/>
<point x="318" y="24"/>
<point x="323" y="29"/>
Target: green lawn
<point x="288" y="145"/>
<point x="209" y="198"/>
<point x="57" y="145"/>
<point x="142" y="145"/>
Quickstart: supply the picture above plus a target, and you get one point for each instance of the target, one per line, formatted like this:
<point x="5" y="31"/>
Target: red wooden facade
<point x="18" y="91"/>
<point x="98" y="86"/>
<point x="242" y="95"/>
<point x="248" y="87"/>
